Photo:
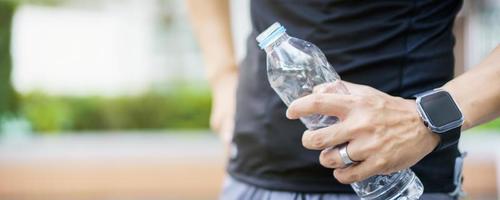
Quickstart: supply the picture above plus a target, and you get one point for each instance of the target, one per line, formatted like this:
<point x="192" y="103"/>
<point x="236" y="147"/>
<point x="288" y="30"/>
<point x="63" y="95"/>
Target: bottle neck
<point x="280" y="39"/>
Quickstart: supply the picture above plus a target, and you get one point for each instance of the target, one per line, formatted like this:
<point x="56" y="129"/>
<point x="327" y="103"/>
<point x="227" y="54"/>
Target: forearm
<point x="211" y="22"/>
<point x="477" y="92"/>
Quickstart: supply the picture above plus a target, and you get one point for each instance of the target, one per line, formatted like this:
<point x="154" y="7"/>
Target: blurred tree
<point x="8" y="96"/>
<point x="8" y="103"/>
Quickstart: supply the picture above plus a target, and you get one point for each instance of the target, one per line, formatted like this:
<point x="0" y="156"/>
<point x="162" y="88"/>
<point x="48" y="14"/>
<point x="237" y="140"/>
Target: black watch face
<point x="440" y="109"/>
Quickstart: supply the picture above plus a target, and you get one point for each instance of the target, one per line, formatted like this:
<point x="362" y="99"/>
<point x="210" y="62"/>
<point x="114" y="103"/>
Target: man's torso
<point x="400" y="47"/>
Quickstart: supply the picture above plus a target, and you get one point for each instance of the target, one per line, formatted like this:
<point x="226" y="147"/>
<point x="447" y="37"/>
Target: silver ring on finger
<point x="345" y="156"/>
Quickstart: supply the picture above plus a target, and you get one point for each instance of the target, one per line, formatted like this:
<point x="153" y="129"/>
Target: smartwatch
<point x="441" y="114"/>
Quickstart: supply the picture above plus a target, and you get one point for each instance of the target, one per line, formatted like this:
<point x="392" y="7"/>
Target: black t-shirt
<point x="401" y="47"/>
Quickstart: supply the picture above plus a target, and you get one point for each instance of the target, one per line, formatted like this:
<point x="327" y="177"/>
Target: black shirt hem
<point x="318" y="186"/>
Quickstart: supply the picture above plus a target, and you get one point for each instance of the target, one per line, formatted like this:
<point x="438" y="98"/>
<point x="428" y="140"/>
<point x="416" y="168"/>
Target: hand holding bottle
<point x="384" y="132"/>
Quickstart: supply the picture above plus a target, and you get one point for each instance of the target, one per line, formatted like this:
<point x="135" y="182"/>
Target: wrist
<point x="218" y="76"/>
<point x="225" y="83"/>
<point x="431" y="139"/>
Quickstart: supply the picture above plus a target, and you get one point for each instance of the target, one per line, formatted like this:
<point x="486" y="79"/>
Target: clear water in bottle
<point x="294" y="68"/>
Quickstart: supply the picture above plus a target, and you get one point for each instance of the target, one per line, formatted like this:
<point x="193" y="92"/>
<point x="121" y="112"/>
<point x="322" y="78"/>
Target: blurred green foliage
<point x="8" y="97"/>
<point x="35" y="2"/>
<point x="177" y="109"/>
<point x="493" y="125"/>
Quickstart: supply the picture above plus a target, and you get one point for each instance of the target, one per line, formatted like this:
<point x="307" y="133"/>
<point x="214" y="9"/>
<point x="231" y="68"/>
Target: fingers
<point x="326" y="104"/>
<point x="325" y="137"/>
<point x="359" y="171"/>
<point x="330" y="157"/>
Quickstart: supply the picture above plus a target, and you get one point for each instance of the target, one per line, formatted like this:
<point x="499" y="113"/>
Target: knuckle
<point x="346" y="177"/>
<point x="355" y="128"/>
<point x="353" y="177"/>
<point x="373" y="147"/>
<point x="381" y="164"/>
<point x="376" y="103"/>
<point x="359" y="100"/>
<point x="363" y="124"/>
<point x="312" y="140"/>
<point x="359" y="121"/>
<point x="326" y="159"/>
<point x="317" y="141"/>
<point x="317" y="101"/>
<point x="370" y="101"/>
<point x="324" y="162"/>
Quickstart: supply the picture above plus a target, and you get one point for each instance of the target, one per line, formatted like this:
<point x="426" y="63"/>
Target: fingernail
<point x="288" y="114"/>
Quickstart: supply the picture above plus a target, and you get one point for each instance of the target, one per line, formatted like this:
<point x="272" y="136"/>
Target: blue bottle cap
<point x="270" y="35"/>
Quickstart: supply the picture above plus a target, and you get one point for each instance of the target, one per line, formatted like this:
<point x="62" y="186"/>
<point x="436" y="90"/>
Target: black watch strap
<point x="449" y="138"/>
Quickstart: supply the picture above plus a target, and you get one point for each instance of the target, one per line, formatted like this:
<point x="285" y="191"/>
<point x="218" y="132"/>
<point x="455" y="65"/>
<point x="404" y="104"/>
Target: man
<point x="393" y="50"/>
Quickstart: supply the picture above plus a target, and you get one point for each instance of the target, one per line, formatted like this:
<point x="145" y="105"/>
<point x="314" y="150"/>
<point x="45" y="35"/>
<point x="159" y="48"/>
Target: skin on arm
<point x="477" y="92"/>
<point x="385" y="133"/>
<point x="211" y="23"/>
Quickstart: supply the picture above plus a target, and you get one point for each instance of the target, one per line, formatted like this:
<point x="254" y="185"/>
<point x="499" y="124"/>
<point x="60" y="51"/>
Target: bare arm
<point x="477" y="91"/>
<point x="211" y="22"/>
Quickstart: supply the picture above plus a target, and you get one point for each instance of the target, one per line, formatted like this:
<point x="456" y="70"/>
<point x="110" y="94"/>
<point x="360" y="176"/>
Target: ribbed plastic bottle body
<point x="294" y="68"/>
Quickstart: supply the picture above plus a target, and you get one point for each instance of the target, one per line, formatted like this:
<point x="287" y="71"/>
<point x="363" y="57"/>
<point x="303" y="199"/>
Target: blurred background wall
<point x="106" y="99"/>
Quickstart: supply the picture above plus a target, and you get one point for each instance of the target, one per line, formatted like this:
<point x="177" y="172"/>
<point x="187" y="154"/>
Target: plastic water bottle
<point x="294" y="68"/>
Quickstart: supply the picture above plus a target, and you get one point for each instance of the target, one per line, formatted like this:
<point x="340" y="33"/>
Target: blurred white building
<point x="105" y="47"/>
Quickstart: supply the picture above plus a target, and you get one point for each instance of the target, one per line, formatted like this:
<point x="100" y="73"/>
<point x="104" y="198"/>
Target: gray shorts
<point x="236" y="190"/>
